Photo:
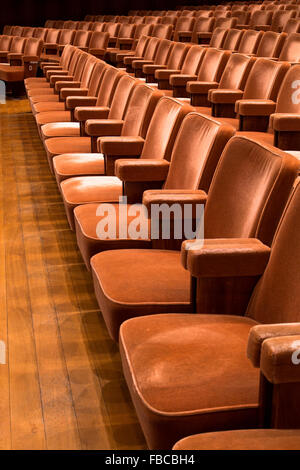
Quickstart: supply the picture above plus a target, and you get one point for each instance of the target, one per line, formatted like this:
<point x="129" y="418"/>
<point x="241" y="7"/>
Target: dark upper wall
<point x="35" y="12"/>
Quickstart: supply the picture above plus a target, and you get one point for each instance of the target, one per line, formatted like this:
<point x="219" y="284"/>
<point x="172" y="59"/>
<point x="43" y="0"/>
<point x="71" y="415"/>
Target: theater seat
<point x="283" y="115"/>
<point x="22" y="65"/>
<point x="196" y="152"/>
<point x="272" y="175"/>
<point x="190" y="374"/>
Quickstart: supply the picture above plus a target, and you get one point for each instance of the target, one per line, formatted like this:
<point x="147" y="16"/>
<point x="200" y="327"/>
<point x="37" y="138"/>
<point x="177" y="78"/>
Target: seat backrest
<point x="66" y="37"/>
<point x="139" y="110"/>
<point x="261" y="17"/>
<point x="163" y="51"/>
<point x="110" y="79"/>
<point x="97" y="26"/>
<point x="164" y="127"/>
<point x="271" y="44"/>
<point x="80" y="65"/>
<point x="151" y="19"/>
<point x="265" y="79"/>
<point x="292" y="26"/>
<point x="280" y="18"/>
<point x="52" y="36"/>
<point x="288" y="100"/>
<point x="276" y="297"/>
<point x="112" y="29"/>
<point x="151" y="48"/>
<point x="193" y="60"/>
<point x="17" y="31"/>
<point x="59" y="24"/>
<point x="96" y="78"/>
<point x="33" y="47"/>
<point x="202" y="25"/>
<point x="40" y="33"/>
<point x="162" y="31"/>
<point x="236" y="72"/>
<point x="226" y="22"/>
<point x="67" y="56"/>
<point x="249" y="190"/>
<point x="233" y="39"/>
<point x="172" y="20"/>
<point x="7" y="30"/>
<point x="137" y="19"/>
<point x="196" y="152"/>
<point x="84" y="25"/>
<point x="121" y="96"/>
<point x="221" y="14"/>
<point x="27" y="32"/>
<point x="126" y="30"/>
<point x="5" y="42"/>
<point x="70" y="24"/>
<point x="141" y="46"/>
<point x="291" y="48"/>
<point x="142" y="30"/>
<point x="177" y="55"/>
<point x="243" y="17"/>
<point x="218" y="37"/>
<point x="184" y="23"/>
<point x="50" y="24"/>
<point x="17" y="44"/>
<point x="99" y="40"/>
<point x="250" y="41"/>
<point x="88" y="68"/>
<point x="213" y="65"/>
<point x="82" y="38"/>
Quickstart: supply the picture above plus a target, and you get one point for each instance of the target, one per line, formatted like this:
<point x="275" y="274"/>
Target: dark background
<point x="35" y="12"/>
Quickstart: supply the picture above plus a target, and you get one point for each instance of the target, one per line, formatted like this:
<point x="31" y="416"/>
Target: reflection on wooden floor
<point x="62" y="385"/>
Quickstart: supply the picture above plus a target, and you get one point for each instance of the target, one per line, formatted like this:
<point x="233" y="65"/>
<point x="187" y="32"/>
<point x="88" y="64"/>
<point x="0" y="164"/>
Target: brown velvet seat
<point x="225" y="216"/>
<point x="191" y="371"/>
<point x="166" y="119"/>
<point x="284" y="122"/>
<point x="116" y="109"/>
<point x="197" y="160"/>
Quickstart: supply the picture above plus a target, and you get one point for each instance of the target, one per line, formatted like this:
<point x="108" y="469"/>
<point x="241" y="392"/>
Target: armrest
<point x="181" y="79"/>
<point x="75" y="101"/>
<point x="56" y="72"/>
<point x="121" y="146"/>
<point x="174" y="196"/>
<point x="14" y="56"/>
<point x="65" y="92"/>
<point x="142" y="170"/>
<point x="50" y="45"/>
<point x="151" y="68"/>
<point x="255" y="107"/>
<point x="225" y="96"/>
<point x="138" y="64"/>
<point x="97" y="52"/>
<point x="30" y="58"/>
<point x="130" y="58"/>
<point x="280" y="359"/>
<point x="66" y="83"/>
<point x="200" y="88"/>
<point x="185" y="34"/>
<point x="82" y="113"/>
<point x="262" y="27"/>
<point x="60" y="78"/>
<point x="225" y="257"/>
<point x="103" y="127"/>
<point x="285" y="122"/>
<point x="259" y="333"/>
<point x="83" y="48"/>
<point x="125" y="41"/>
<point x="165" y="73"/>
<point x="50" y="66"/>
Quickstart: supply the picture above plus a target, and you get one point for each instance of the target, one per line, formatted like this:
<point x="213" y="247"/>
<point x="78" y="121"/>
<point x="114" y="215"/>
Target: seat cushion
<point x="9" y="73"/>
<point x="250" y="439"/>
<point x="89" y="189"/>
<point x="69" y="165"/>
<point x="46" y="97"/>
<point x="189" y="373"/>
<point x="48" y="106"/>
<point x="130" y="283"/>
<point x="61" y="129"/>
<point x="89" y="243"/>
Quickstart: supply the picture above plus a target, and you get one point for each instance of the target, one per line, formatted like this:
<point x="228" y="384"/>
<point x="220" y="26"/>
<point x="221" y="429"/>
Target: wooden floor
<point x="62" y="384"/>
